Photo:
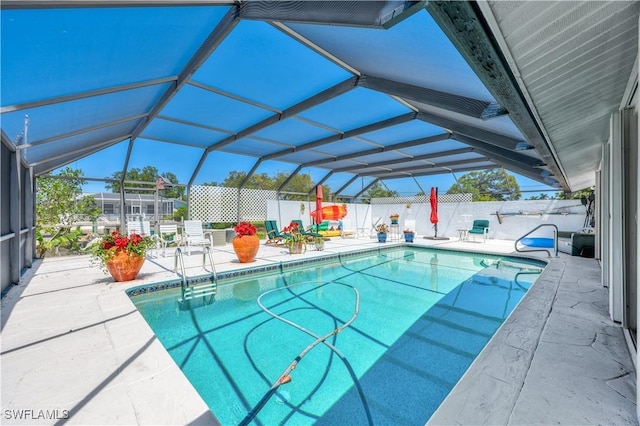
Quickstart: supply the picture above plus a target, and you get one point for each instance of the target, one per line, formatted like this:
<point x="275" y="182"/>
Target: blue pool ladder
<point x="555" y="240"/>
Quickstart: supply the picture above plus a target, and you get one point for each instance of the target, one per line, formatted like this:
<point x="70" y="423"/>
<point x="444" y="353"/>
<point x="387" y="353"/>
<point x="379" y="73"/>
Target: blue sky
<point x="53" y="53"/>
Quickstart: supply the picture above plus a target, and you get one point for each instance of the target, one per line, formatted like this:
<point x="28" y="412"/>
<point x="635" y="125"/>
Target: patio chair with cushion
<point x="479" y="227"/>
<point x="274" y="236"/>
<point x="310" y="235"/>
<point x="168" y="235"/>
<point x="194" y="235"/>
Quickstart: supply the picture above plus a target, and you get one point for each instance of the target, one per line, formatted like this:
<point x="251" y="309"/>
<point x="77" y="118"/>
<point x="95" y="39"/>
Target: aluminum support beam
<point x="346" y="135"/>
<point x="372" y="14"/>
<point x="422" y="167"/>
<point x="401" y="145"/>
<point x="465" y="26"/>
<point x="461" y="104"/>
<point x="407" y="160"/>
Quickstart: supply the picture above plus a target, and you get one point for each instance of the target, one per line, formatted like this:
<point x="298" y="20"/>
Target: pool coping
<point x="292" y="264"/>
<point x="510" y="372"/>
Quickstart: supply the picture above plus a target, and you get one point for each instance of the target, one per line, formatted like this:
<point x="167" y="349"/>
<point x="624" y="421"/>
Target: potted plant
<point x="408" y="235"/>
<point x="120" y="255"/>
<point x="382" y="231"/>
<point x="394" y="218"/>
<point x="246" y="243"/>
<point x="294" y="238"/>
<point x="318" y="242"/>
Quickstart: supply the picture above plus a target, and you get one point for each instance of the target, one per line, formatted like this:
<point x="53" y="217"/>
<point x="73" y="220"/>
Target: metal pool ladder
<point x="555" y="240"/>
<point x="189" y="291"/>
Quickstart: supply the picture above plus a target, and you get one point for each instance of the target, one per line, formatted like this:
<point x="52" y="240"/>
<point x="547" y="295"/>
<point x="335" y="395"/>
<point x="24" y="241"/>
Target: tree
<point x="380" y="191"/>
<point x="487" y="185"/>
<point x="180" y="213"/>
<point x="542" y="196"/>
<point x="147" y="174"/>
<point x="300" y="183"/>
<point x="256" y="181"/>
<point x="58" y="206"/>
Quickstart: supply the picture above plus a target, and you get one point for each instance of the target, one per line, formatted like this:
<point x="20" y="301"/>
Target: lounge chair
<point x="310" y="235"/>
<point x="194" y="235"/>
<point x="479" y="227"/>
<point x="374" y="225"/>
<point x="274" y="236"/>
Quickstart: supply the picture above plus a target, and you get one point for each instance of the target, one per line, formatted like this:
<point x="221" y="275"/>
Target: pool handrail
<point x="555" y="240"/>
<point x="179" y="260"/>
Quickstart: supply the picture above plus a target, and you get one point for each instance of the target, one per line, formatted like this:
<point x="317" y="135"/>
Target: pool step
<point x="203" y="290"/>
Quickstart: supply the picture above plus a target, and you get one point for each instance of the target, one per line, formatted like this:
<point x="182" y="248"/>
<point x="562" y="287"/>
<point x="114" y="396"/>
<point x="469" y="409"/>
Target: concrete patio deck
<point x="76" y="351"/>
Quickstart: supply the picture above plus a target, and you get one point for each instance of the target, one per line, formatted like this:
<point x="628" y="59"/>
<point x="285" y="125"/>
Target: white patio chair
<point x="194" y="235"/>
<point x="138" y="226"/>
<point x="348" y="230"/>
<point x="168" y="235"/>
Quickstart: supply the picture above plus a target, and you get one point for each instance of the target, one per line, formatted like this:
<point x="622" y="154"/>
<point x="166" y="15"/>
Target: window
<point x="108" y="208"/>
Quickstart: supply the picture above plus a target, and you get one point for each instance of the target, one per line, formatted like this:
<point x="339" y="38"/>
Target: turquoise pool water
<point x="423" y="316"/>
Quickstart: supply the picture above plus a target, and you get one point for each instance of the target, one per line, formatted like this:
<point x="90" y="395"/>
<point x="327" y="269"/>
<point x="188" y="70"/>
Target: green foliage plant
<point x="58" y="206"/>
<point x="293" y="235"/>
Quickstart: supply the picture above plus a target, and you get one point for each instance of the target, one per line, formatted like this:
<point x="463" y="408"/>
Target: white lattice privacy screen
<point x="442" y="198"/>
<point x="220" y="204"/>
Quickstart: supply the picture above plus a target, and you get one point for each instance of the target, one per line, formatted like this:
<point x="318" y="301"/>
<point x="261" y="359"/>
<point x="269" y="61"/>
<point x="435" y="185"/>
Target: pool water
<point x="422" y="318"/>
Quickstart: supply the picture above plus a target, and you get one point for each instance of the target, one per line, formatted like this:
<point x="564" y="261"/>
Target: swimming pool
<point x="421" y="318"/>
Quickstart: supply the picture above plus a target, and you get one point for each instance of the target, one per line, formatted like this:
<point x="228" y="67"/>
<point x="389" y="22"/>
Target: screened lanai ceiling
<point x="344" y="90"/>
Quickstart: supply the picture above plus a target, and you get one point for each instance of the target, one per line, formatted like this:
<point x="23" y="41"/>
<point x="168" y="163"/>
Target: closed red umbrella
<point x="433" y="199"/>
<point x="318" y="212"/>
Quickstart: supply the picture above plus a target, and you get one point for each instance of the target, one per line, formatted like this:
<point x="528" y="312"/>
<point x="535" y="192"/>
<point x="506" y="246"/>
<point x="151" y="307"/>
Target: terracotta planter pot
<point x="123" y="267"/>
<point x="297" y="247"/>
<point x="246" y="247"/>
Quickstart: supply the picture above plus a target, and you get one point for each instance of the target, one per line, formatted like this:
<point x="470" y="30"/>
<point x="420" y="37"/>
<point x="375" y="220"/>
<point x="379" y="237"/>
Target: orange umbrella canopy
<point x="433" y="199"/>
<point x="331" y="212"/>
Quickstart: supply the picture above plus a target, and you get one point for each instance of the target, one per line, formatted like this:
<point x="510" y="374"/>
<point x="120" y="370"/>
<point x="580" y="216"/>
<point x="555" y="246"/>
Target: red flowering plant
<point x="111" y="244"/>
<point x="293" y="234"/>
<point x="245" y="228"/>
